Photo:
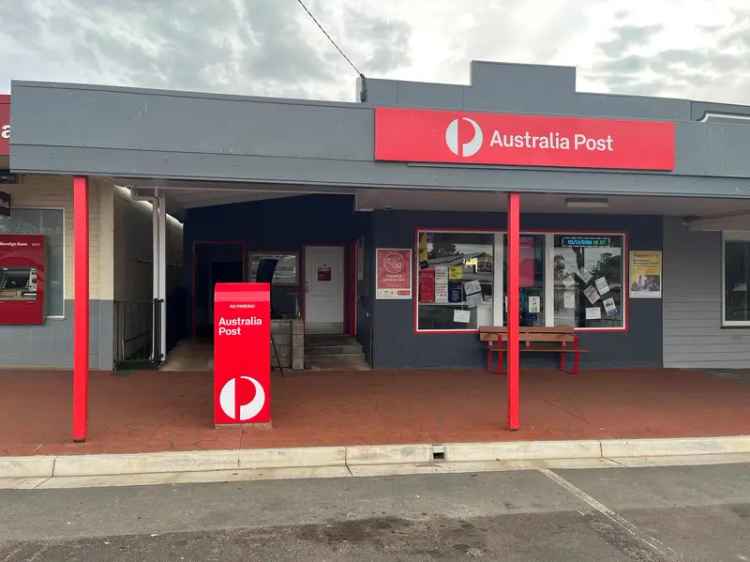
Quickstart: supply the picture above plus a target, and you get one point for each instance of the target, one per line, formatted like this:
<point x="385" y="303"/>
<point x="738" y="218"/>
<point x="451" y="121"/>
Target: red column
<point x="514" y="274"/>
<point x="81" y="308"/>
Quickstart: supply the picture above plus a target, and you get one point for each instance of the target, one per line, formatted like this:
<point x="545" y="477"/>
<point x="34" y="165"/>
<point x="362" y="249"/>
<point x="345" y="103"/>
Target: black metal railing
<point x="135" y="339"/>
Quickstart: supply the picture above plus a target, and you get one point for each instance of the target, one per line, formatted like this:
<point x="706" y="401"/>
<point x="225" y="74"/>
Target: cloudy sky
<point x="685" y="48"/>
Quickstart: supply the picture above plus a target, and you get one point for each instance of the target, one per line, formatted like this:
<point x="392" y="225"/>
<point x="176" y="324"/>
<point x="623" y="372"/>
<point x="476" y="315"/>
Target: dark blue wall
<point x="288" y="224"/>
<point x="275" y="224"/>
<point x="397" y="345"/>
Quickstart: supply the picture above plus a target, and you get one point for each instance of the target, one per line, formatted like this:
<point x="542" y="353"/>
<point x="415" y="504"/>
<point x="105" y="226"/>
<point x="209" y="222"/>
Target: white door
<point x="324" y="289"/>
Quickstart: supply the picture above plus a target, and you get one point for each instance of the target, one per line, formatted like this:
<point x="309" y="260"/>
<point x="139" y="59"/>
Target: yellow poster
<point x="645" y="274"/>
<point x="423" y="254"/>
<point x="456" y="272"/>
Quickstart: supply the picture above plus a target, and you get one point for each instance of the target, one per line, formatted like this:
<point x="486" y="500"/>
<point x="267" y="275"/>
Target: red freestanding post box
<point x="242" y="353"/>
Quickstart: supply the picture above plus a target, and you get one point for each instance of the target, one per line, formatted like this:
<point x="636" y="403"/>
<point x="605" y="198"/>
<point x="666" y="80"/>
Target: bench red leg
<point x="576" y="357"/>
<point x="562" y="361"/>
<point x="489" y="359"/>
<point x="500" y="360"/>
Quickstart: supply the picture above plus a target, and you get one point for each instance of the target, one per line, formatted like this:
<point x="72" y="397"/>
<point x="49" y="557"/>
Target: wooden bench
<point x="561" y="339"/>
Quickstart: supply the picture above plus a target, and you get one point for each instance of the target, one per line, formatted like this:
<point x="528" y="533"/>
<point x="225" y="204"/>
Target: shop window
<point x="456" y="276"/>
<point x="588" y="281"/>
<point x="736" y="279"/>
<point x="282" y="270"/>
<point x="532" y="305"/>
<point x="50" y="223"/>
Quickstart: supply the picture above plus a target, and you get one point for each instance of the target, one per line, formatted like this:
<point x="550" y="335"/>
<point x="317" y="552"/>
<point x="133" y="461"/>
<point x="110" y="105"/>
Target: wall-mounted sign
<point x="4" y="125"/>
<point x="420" y="135"/>
<point x="324" y="272"/>
<point x="645" y="274"/>
<point x="393" y="278"/>
<point x="4" y="204"/>
<point x="22" y="275"/>
<point x="584" y="241"/>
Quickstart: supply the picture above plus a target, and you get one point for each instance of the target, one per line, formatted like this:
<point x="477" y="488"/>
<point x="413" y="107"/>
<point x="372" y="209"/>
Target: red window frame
<point x="625" y="328"/>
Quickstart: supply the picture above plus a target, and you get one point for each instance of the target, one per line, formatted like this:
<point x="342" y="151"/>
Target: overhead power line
<point x="339" y="49"/>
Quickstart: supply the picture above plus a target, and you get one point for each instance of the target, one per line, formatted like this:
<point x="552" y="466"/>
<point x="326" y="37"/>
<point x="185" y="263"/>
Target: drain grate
<point x="438" y="453"/>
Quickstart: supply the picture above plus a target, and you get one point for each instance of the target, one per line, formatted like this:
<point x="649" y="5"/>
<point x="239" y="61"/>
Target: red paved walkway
<point x="150" y="411"/>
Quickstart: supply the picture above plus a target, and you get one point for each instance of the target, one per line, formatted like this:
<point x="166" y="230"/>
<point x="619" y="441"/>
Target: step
<point x="338" y="362"/>
<point x="333" y="349"/>
<point x="343" y="356"/>
<point x="314" y="340"/>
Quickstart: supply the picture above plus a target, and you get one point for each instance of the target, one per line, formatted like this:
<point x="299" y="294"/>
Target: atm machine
<point x="22" y="273"/>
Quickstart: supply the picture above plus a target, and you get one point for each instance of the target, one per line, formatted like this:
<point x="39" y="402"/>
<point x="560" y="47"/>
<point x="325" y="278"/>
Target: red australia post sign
<point x="242" y="353"/>
<point x="394" y="278"/>
<point x="420" y="135"/>
<point x="4" y="125"/>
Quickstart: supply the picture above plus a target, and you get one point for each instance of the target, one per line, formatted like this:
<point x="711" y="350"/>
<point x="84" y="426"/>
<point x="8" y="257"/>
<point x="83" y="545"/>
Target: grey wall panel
<point x="633" y="107"/>
<point x="51" y="344"/>
<point x="442" y="96"/>
<point x="693" y="336"/>
<point x="700" y="108"/>
<point x="397" y="344"/>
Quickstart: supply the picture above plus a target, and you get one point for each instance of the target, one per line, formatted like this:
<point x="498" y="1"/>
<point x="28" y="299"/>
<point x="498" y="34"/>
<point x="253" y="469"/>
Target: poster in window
<point x="527" y="261"/>
<point x="393" y="278"/>
<point x="593" y="313"/>
<point x="591" y="294"/>
<point x="441" y="284"/>
<point x="461" y="316"/>
<point x="569" y="300"/>
<point x="609" y="306"/>
<point x="427" y="285"/>
<point x="602" y="286"/>
<point x="455" y="292"/>
<point x="472" y="287"/>
<point x="645" y="274"/>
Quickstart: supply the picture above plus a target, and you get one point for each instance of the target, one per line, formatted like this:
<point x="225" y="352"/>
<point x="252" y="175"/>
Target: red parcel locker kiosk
<point x="22" y="261"/>
<point x="242" y="354"/>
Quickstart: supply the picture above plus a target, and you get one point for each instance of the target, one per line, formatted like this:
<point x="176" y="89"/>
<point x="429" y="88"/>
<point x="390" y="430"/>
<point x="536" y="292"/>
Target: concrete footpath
<point x="71" y="471"/>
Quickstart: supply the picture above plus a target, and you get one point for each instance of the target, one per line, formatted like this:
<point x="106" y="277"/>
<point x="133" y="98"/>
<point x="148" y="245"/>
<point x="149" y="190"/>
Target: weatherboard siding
<point x="693" y="336"/>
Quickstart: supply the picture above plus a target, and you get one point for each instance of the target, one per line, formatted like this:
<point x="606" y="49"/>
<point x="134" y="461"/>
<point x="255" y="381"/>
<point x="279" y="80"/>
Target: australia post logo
<point x="452" y="137"/>
<point x="423" y="135"/>
<point x="235" y="401"/>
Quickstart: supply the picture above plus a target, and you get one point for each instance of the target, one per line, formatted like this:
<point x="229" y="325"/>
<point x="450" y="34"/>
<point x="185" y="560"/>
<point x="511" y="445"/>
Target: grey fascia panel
<point x="153" y="133"/>
<point x="185" y="123"/>
<point x="18" y="84"/>
<point x="314" y="171"/>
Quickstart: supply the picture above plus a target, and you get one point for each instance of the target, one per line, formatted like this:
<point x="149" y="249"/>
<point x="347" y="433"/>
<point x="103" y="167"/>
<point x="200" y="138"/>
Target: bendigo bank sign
<point x="417" y="135"/>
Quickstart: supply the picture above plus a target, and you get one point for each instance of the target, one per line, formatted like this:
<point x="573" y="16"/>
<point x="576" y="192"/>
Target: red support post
<point x="514" y="316"/>
<point x="81" y="308"/>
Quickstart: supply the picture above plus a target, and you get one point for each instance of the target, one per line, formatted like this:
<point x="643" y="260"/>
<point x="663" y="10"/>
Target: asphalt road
<point x="647" y="514"/>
